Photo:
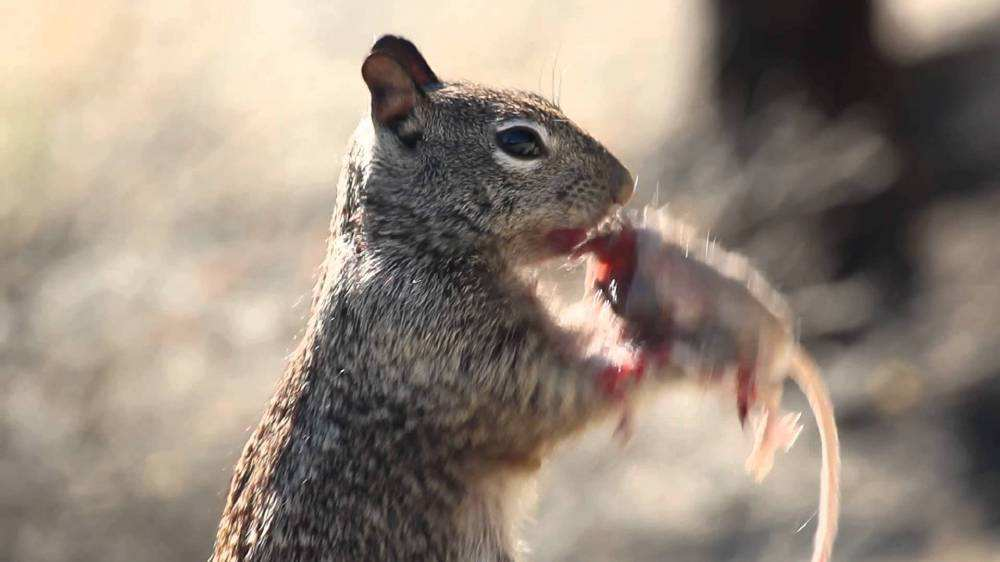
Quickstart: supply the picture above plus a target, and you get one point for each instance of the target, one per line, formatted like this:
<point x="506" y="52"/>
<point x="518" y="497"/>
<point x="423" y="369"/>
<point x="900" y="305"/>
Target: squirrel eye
<point x="521" y="142"/>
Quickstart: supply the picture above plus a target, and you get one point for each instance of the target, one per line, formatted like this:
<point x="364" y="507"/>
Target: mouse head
<point x="612" y="265"/>
<point x="496" y="168"/>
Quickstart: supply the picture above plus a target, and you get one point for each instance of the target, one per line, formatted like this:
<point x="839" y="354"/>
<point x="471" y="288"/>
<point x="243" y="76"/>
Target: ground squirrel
<point x="430" y="381"/>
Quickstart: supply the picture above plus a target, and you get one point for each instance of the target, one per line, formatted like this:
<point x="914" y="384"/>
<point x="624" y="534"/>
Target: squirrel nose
<point x="622" y="185"/>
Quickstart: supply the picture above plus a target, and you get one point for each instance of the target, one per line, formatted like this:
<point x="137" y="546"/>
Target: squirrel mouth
<point x="576" y="242"/>
<point x="565" y="240"/>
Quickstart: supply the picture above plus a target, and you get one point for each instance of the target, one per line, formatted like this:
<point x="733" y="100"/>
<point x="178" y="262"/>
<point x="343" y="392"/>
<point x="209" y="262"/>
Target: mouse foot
<point x="770" y="434"/>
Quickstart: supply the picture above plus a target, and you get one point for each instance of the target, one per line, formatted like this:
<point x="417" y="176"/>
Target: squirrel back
<point x="430" y="381"/>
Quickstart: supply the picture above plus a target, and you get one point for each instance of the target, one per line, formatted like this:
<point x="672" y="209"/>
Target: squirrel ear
<point x="396" y="73"/>
<point x="393" y="92"/>
<point x="406" y="54"/>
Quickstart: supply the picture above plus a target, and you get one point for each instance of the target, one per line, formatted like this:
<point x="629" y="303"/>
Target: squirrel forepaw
<point x="615" y="381"/>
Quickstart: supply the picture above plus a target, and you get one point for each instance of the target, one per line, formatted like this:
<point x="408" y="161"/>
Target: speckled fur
<point x="430" y="382"/>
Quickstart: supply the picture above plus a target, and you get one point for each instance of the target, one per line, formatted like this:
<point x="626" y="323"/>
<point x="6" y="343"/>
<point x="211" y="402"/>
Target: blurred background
<point x="167" y="171"/>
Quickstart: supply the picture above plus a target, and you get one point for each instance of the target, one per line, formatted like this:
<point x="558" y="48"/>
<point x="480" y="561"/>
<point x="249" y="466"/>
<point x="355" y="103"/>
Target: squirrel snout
<point x="622" y="185"/>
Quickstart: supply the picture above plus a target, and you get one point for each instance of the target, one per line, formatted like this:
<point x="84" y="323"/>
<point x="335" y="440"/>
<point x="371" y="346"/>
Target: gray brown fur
<point x="430" y="381"/>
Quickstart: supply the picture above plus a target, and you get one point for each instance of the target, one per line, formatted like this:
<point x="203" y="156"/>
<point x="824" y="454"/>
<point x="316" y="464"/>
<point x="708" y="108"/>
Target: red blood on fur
<point x="615" y="261"/>
<point x="615" y="379"/>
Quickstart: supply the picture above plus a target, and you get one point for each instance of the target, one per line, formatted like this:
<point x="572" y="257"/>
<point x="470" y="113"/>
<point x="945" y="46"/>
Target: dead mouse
<point x="691" y="305"/>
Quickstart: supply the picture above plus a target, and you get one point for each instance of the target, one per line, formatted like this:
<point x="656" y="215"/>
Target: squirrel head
<point x="452" y="165"/>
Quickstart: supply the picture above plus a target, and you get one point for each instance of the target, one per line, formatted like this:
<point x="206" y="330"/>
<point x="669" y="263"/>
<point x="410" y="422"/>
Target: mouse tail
<point x="806" y="375"/>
